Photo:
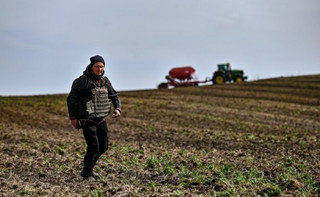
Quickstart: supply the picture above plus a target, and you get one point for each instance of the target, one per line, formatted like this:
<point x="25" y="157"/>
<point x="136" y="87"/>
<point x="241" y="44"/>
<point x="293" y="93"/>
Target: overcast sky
<point x="45" y="45"/>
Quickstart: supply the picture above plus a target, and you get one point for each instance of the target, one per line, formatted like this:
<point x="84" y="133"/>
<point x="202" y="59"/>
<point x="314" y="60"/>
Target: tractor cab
<point x="224" y="67"/>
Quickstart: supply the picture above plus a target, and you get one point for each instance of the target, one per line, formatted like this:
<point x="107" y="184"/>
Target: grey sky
<point x="45" y="45"/>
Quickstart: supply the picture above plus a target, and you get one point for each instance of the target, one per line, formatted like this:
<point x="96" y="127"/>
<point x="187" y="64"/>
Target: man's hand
<point x="74" y="122"/>
<point x="116" y="113"/>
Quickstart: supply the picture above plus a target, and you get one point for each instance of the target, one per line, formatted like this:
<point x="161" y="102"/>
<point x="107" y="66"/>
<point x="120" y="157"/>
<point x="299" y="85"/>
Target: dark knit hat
<point x="96" y="59"/>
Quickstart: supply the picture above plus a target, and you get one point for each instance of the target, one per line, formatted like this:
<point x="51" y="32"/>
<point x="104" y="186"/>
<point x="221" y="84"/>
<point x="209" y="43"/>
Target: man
<point x="89" y="102"/>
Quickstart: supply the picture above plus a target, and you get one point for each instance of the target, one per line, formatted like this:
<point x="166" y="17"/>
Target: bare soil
<point x="256" y="138"/>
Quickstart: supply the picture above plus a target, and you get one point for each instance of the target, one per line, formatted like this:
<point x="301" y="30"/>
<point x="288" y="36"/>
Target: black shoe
<point x="89" y="175"/>
<point x="84" y="176"/>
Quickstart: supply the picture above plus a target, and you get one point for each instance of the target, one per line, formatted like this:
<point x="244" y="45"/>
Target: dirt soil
<point x="256" y="138"/>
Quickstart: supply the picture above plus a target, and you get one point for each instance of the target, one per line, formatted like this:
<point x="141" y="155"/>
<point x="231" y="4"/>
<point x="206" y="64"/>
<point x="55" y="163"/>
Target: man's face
<point x="98" y="68"/>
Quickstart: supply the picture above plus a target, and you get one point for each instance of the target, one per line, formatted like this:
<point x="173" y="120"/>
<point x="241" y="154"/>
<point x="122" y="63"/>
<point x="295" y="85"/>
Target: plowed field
<point x="258" y="138"/>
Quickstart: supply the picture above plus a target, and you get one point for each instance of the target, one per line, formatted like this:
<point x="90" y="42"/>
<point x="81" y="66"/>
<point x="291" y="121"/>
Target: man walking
<point x="89" y="102"/>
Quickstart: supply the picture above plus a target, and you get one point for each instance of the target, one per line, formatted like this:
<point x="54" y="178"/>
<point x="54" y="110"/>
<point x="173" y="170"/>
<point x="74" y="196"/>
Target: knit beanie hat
<point x="96" y="59"/>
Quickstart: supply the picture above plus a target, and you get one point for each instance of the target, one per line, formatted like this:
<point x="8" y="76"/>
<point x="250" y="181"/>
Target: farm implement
<point x="185" y="76"/>
<point x="181" y="77"/>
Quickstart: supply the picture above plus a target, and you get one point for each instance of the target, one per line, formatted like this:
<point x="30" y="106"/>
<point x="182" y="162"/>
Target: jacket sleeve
<point x="113" y="95"/>
<point x="74" y="97"/>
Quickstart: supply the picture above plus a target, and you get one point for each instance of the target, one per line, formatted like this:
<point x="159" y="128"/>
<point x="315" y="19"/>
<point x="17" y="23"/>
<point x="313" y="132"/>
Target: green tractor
<point x="225" y="74"/>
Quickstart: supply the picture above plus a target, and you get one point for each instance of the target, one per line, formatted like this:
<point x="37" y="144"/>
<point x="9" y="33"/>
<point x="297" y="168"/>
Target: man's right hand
<point x="74" y="122"/>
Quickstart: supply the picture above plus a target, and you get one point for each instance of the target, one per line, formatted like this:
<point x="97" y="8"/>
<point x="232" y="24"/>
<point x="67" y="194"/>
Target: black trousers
<point x="95" y="132"/>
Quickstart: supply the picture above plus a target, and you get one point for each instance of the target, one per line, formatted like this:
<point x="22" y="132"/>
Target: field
<point x="258" y="138"/>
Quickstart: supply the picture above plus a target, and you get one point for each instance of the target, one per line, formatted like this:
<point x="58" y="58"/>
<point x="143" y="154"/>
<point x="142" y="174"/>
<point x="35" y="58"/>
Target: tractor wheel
<point x="163" y="86"/>
<point x="238" y="79"/>
<point x="218" y="79"/>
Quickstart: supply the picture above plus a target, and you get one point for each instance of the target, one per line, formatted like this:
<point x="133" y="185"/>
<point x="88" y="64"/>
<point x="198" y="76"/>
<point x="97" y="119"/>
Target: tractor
<point x="184" y="76"/>
<point x="225" y="74"/>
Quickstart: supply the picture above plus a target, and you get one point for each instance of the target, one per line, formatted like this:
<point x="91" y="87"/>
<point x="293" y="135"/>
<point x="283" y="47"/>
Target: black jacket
<point x="81" y="93"/>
